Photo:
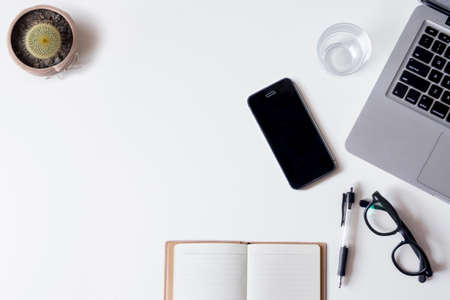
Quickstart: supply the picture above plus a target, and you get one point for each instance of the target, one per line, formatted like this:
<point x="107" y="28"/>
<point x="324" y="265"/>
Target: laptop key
<point x="431" y="31"/>
<point x="440" y="110"/>
<point x="443" y="37"/>
<point x="415" y="81"/>
<point x="446" y="82"/>
<point x="446" y="97"/>
<point x="418" y="67"/>
<point x="425" y="102"/>
<point x="400" y="90"/>
<point x="438" y="47"/>
<point x="438" y="62"/>
<point x="426" y="41"/>
<point x="447" y="53"/>
<point x="435" y="76"/>
<point x="423" y="54"/>
<point x="447" y="68"/>
<point x="435" y="91"/>
<point x="412" y="96"/>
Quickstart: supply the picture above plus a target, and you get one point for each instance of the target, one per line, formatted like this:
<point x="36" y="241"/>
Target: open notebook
<point x="244" y="271"/>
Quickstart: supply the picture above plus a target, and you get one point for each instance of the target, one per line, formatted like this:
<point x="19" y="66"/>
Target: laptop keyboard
<point x="424" y="80"/>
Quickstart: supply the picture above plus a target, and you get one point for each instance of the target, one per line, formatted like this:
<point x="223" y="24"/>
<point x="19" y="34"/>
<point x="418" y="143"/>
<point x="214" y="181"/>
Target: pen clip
<point x="343" y="209"/>
<point x="347" y="199"/>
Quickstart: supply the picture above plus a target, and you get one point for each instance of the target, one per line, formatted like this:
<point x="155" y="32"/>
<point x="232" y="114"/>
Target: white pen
<point x="347" y="202"/>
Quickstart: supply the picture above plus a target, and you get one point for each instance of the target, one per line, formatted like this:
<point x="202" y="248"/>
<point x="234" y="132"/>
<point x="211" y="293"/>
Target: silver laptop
<point x="404" y="127"/>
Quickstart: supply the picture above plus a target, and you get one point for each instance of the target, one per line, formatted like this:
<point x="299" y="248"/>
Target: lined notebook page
<point x="287" y="272"/>
<point x="210" y="272"/>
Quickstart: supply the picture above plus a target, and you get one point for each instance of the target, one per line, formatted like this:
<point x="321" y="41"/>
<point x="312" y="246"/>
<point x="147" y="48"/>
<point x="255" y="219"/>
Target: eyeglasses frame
<point x="425" y="267"/>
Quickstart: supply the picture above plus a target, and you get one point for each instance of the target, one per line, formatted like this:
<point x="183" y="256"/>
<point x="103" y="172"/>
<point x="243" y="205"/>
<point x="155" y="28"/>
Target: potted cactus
<point x="43" y="40"/>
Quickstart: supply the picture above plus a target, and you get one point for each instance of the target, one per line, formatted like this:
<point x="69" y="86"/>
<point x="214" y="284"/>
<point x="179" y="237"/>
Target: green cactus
<point x="43" y="41"/>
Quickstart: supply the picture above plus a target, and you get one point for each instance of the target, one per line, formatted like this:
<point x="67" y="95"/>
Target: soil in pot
<point x="41" y="38"/>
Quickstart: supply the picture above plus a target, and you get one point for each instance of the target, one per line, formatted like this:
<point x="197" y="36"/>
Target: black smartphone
<point x="291" y="133"/>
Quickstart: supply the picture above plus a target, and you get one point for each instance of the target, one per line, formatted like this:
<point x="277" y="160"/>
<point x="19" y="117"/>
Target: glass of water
<point x="343" y="48"/>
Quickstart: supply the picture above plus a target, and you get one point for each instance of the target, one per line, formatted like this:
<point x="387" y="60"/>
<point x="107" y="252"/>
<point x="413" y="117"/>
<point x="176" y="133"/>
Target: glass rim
<point x="350" y="28"/>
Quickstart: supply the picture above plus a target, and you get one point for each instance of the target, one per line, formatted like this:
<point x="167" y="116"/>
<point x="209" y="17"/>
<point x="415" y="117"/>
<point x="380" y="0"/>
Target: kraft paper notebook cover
<point x="234" y="270"/>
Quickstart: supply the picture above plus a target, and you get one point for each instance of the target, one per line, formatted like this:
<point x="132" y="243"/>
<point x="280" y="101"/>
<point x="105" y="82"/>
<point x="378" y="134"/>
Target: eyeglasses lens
<point x="380" y="220"/>
<point x="407" y="259"/>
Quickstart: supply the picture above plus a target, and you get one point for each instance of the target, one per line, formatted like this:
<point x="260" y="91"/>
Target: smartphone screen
<point x="291" y="133"/>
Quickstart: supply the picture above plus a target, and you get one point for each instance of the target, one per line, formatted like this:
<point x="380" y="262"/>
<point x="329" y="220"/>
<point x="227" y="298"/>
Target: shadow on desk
<point x="88" y="36"/>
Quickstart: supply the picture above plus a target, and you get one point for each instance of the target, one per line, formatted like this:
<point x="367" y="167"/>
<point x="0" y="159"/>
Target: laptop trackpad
<point x="436" y="171"/>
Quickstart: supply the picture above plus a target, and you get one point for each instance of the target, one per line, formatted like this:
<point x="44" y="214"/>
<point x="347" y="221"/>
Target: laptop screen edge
<point x="441" y="5"/>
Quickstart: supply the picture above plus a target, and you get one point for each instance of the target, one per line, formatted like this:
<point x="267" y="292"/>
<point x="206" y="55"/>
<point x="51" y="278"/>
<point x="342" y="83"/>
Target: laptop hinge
<point x="437" y="7"/>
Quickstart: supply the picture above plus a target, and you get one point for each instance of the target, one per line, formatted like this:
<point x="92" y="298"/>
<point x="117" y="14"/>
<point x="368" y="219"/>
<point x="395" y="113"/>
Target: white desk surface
<point x="153" y="140"/>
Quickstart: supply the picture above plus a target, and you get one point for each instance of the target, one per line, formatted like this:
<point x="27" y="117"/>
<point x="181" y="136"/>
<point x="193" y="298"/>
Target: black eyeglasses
<point x="408" y="256"/>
